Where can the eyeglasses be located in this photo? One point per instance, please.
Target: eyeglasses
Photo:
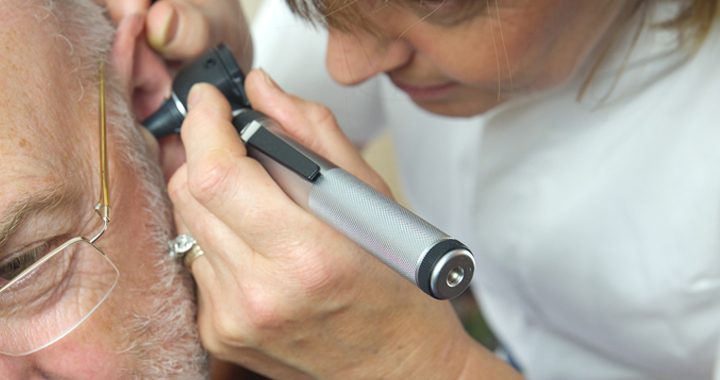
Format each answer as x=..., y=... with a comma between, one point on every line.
x=50, y=290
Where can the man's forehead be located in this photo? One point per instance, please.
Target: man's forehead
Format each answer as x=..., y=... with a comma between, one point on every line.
x=37, y=83
x=26, y=33
x=40, y=98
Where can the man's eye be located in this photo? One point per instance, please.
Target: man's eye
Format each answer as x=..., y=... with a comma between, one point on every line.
x=40, y=287
x=11, y=268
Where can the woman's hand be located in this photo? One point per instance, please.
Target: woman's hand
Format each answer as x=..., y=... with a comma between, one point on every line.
x=183, y=29
x=177, y=30
x=280, y=291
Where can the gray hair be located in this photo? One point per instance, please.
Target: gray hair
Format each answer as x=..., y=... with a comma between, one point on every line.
x=164, y=344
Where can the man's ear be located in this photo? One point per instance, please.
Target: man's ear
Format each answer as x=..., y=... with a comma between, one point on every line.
x=142, y=72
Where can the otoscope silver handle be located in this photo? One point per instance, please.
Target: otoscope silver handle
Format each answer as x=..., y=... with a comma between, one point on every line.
x=439, y=265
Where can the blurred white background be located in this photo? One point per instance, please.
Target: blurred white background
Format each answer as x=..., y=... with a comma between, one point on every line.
x=250, y=7
x=379, y=153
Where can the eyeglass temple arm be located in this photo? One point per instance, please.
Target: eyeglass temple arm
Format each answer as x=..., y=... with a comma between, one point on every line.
x=103, y=205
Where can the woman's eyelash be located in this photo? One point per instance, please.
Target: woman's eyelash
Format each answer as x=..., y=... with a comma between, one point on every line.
x=433, y=4
x=449, y=11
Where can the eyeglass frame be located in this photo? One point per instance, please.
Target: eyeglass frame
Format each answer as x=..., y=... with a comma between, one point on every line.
x=102, y=209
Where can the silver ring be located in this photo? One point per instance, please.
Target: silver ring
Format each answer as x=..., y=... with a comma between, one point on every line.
x=185, y=247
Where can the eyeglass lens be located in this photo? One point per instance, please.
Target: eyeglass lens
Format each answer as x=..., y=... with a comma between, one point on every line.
x=53, y=298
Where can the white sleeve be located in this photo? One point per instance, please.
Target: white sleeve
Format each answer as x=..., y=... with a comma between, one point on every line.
x=293, y=53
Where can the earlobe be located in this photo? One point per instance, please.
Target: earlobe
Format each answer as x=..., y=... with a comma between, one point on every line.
x=142, y=72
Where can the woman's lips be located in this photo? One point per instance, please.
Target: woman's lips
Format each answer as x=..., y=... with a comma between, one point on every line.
x=425, y=92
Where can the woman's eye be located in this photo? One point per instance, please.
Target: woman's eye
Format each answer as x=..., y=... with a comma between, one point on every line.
x=449, y=11
x=435, y=5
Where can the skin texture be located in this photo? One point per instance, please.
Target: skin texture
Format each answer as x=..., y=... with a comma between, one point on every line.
x=329, y=294
x=286, y=295
x=315, y=324
x=49, y=139
x=183, y=29
x=180, y=30
x=511, y=48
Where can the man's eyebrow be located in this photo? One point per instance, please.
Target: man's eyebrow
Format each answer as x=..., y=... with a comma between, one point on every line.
x=30, y=204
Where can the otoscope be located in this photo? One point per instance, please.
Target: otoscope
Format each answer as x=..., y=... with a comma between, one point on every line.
x=436, y=263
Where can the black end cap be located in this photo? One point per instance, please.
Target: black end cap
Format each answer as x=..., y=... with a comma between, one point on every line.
x=431, y=259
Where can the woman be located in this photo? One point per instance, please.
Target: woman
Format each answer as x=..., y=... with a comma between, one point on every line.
x=582, y=174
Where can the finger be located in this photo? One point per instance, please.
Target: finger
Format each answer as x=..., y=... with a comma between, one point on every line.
x=311, y=124
x=224, y=180
x=224, y=250
x=181, y=228
x=305, y=121
x=181, y=30
x=177, y=29
x=208, y=123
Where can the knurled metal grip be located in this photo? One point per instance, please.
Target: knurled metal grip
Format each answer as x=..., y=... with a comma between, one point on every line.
x=440, y=266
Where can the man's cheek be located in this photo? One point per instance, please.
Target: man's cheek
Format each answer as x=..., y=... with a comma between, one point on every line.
x=87, y=353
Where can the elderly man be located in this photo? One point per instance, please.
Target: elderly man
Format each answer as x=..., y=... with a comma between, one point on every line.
x=107, y=305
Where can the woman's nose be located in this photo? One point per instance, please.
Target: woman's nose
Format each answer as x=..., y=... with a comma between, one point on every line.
x=353, y=58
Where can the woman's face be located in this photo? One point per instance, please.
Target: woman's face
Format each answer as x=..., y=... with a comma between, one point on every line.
x=466, y=67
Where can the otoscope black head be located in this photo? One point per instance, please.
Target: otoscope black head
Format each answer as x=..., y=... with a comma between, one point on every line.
x=217, y=67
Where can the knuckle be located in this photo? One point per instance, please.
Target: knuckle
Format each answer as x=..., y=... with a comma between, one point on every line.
x=317, y=278
x=262, y=313
x=227, y=328
x=176, y=187
x=211, y=177
x=323, y=122
x=208, y=337
x=207, y=113
x=321, y=115
x=210, y=341
x=319, y=271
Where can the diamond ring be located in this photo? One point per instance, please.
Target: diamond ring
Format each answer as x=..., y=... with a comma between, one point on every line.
x=185, y=247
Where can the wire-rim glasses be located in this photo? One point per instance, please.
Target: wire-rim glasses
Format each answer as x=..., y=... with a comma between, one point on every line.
x=61, y=289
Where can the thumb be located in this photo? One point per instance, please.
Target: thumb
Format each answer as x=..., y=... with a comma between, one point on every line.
x=177, y=29
x=184, y=29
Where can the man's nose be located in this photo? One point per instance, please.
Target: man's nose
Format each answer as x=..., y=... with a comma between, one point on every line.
x=353, y=58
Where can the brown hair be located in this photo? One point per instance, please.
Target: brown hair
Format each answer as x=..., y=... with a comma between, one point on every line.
x=697, y=16
x=695, y=19
x=693, y=22
x=349, y=15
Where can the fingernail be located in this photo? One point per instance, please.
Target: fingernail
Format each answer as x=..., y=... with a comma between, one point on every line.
x=269, y=81
x=167, y=27
x=129, y=7
x=196, y=93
